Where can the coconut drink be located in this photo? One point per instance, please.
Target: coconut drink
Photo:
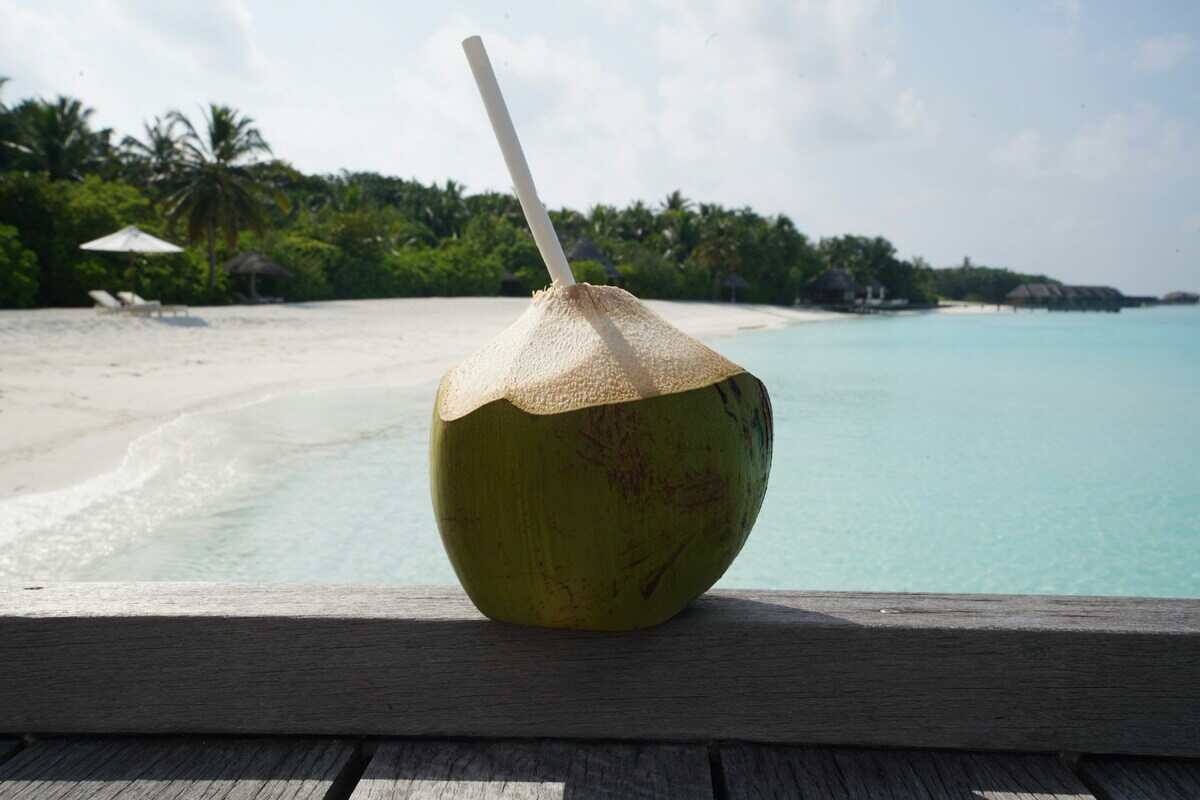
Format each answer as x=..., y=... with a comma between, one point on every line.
x=591, y=467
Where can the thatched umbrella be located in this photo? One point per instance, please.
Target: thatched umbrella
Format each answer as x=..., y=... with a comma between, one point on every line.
x=132, y=240
x=733, y=282
x=254, y=264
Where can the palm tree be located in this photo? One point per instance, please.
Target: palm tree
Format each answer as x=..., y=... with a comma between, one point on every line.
x=215, y=190
x=8, y=131
x=56, y=138
x=603, y=220
x=636, y=221
x=675, y=201
x=445, y=210
x=159, y=152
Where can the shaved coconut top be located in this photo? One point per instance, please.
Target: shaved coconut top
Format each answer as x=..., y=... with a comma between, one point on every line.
x=581, y=346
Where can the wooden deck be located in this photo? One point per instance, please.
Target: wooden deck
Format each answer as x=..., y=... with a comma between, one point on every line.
x=191, y=690
x=187, y=768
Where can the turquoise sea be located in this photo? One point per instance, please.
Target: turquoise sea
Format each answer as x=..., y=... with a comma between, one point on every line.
x=1030, y=452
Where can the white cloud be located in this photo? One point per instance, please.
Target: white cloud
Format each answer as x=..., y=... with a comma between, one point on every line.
x=1131, y=144
x=1163, y=53
x=1124, y=145
x=815, y=76
x=117, y=55
x=1071, y=9
x=736, y=96
x=1024, y=153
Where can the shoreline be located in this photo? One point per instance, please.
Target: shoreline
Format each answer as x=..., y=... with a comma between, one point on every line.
x=78, y=388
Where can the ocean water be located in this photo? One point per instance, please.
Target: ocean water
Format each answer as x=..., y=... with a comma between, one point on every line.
x=1031, y=452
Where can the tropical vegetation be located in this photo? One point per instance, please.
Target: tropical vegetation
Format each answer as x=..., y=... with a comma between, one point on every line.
x=213, y=183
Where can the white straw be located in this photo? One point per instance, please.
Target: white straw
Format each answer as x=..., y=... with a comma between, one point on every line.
x=535, y=213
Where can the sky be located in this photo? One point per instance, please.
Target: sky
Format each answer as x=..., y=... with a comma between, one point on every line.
x=1057, y=136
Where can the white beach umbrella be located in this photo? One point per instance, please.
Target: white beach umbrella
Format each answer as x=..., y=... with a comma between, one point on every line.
x=131, y=239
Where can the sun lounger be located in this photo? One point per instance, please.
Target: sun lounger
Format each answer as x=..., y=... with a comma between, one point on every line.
x=107, y=304
x=133, y=300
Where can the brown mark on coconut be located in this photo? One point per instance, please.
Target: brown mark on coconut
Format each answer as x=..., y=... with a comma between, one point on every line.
x=652, y=580
x=610, y=441
x=725, y=401
x=704, y=490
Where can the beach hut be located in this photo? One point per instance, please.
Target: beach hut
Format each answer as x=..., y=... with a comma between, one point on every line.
x=833, y=287
x=255, y=264
x=733, y=282
x=584, y=249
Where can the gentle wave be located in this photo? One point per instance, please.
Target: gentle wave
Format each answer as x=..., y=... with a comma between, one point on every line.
x=168, y=472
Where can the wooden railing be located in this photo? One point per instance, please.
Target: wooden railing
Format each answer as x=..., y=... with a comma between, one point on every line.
x=1022, y=673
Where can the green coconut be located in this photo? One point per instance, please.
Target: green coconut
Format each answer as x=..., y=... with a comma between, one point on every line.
x=593, y=467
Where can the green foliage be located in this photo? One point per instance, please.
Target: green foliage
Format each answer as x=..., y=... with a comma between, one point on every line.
x=874, y=258
x=309, y=261
x=647, y=275
x=54, y=217
x=980, y=284
x=360, y=234
x=214, y=191
x=592, y=272
x=454, y=269
x=18, y=271
x=56, y=139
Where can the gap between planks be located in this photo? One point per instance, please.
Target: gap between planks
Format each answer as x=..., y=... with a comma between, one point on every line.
x=1115, y=778
x=757, y=772
x=324, y=769
x=178, y=767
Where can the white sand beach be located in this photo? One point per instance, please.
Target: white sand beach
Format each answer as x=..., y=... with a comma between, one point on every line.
x=77, y=387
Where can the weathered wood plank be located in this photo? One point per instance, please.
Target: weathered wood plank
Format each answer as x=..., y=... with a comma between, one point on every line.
x=446, y=770
x=1105, y=675
x=8, y=747
x=1142, y=778
x=757, y=772
x=175, y=768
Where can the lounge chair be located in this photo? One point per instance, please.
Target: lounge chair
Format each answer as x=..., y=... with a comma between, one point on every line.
x=107, y=304
x=132, y=301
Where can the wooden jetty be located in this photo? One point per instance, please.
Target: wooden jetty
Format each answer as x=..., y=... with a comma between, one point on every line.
x=222, y=691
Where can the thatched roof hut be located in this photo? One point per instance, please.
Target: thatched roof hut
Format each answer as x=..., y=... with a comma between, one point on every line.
x=584, y=249
x=833, y=287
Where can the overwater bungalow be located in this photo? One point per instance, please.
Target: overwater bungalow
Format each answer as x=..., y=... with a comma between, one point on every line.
x=1141, y=301
x=1056, y=297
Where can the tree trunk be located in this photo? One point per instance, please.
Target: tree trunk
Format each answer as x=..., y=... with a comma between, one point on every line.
x=212, y=262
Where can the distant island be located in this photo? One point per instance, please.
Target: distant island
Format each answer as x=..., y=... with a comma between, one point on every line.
x=214, y=185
